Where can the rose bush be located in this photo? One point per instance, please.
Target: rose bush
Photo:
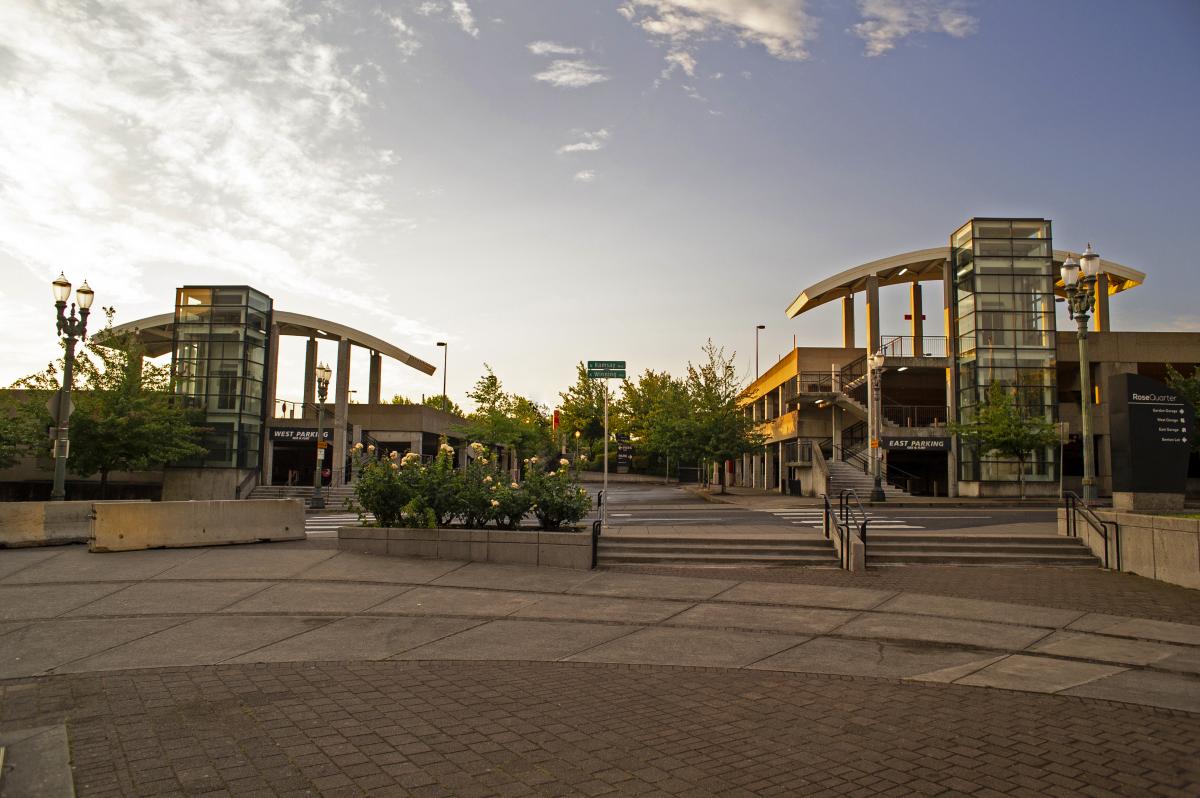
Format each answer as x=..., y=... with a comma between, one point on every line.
x=555, y=494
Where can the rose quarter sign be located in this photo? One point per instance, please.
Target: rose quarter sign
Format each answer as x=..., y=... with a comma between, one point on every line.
x=1151, y=427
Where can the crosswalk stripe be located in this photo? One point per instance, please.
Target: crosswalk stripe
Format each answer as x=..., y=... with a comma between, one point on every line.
x=815, y=518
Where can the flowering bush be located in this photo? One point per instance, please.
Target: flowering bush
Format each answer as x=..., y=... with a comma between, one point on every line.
x=556, y=497
x=404, y=492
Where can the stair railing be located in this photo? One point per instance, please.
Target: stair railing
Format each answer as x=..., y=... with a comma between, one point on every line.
x=830, y=521
x=852, y=374
x=853, y=514
x=1077, y=508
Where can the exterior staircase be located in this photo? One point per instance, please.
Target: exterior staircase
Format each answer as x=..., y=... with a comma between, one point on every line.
x=744, y=551
x=844, y=475
x=335, y=495
x=885, y=548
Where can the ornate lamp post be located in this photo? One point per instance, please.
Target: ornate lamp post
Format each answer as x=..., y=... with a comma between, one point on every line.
x=756, y=330
x=323, y=374
x=1081, y=295
x=71, y=328
x=875, y=425
x=445, y=359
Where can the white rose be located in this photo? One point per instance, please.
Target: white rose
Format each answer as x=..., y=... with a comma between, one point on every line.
x=514, y=486
x=487, y=478
x=495, y=503
x=564, y=462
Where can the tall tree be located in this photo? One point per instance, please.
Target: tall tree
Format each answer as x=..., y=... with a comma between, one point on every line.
x=1003, y=427
x=582, y=408
x=717, y=427
x=434, y=401
x=1189, y=388
x=124, y=418
x=505, y=419
x=656, y=411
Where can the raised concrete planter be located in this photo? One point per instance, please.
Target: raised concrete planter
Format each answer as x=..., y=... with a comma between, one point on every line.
x=550, y=549
x=157, y=525
x=1161, y=547
x=45, y=523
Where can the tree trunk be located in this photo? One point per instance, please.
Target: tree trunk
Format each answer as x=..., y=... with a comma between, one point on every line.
x=103, y=483
x=1021, y=476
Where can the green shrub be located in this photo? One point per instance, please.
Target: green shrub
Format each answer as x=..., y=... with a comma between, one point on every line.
x=511, y=503
x=556, y=496
x=477, y=485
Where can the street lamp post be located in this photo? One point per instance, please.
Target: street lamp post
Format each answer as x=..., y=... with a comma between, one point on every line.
x=71, y=328
x=1081, y=295
x=445, y=359
x=756, y=331
x=875, y=419
x=323, y=374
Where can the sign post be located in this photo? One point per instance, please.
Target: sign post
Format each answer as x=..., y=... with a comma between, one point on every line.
x=605, y=370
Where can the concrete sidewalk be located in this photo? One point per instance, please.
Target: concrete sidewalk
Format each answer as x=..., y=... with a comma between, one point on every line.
x=68, y=611
x=296, y=670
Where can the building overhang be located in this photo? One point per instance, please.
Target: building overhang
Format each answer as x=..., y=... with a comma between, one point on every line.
x=928, y=264
x=156, y=334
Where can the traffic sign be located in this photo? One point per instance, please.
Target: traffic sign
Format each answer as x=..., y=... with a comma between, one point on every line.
x=52, y=405
x=604, y=374
x=606, y=364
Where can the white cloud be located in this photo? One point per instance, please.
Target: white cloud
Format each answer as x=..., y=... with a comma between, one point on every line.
x=589, y=142
x=458, y=10
x=550, y=48
x=680, y=59
x=571, y=74
x=782, y=27
x=161, y=136
x=886, y=22
x=585, y=176
x=405, y=36
x=466, y=20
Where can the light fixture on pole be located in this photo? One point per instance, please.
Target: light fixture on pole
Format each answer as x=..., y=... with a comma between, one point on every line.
x=875, y=425
x=323, y=375
x=70, y=328
x=756, y=329
x=1079, y=280
x=445, y=359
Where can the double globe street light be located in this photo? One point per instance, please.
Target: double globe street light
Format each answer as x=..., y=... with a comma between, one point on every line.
x=1079, y=279
x=71, y=328
x=323, y=375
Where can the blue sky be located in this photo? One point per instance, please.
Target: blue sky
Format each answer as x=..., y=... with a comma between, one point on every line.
x=541, y=181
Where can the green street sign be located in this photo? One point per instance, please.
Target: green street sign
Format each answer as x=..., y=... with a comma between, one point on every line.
x=606, y=374
x=607, y=365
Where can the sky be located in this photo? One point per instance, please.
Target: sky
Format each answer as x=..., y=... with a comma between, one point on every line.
x=540, y=182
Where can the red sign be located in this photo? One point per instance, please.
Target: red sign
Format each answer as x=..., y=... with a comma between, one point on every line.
x=555, y=422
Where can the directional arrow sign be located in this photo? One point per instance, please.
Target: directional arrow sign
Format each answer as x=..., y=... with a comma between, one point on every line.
x=618, y=374
x=606, y=364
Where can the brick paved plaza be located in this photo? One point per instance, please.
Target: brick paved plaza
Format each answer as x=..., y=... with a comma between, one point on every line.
x=295, y=669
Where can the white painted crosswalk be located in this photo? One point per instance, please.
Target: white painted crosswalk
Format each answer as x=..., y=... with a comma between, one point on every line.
x=326, y=524
x=813, y=517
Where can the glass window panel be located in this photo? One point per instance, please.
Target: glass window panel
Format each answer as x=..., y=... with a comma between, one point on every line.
x=966, y=324
x=993, y=229
x=1042, y=266
x=194, y=296
x=1030, y=230
x=995, y=283
x=1030, y=283
x=227, y=332
x=993, y=266
x=961, y=237
x=229, y=296
x=985, y=247
x=966, y=343
x=1025, y=248
x=228, y=315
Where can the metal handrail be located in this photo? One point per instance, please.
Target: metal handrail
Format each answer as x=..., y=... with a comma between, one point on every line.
x=848, y=514
x=890, y=473
x=853, y=373
x=905, y=346
x=830, y=519
x=1075, y=506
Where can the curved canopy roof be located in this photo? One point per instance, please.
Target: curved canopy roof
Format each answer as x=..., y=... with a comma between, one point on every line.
x=926, y=264
x=155, y=333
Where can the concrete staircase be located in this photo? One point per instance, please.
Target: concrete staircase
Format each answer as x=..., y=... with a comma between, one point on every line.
x=843, y=475
x=743, y=551
x=941, y=549
x=335, y=495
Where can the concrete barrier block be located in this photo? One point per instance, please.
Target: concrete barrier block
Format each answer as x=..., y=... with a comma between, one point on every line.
x=1177, y=557
x=412, y=548
x=552, y=555
x=511, y=536
x=400, y=533
x=565, y=538
x=454, y=550
x=365, y=532
x=129, y=526
x=858, y=554
x=513, y=552
x=47, y=523
x=1137, y=550
x=1177, y=524
x=363, y=545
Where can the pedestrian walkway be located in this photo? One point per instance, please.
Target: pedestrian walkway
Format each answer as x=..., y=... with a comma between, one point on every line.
x=291, y=668
x=326, y=524
x=814, y=518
